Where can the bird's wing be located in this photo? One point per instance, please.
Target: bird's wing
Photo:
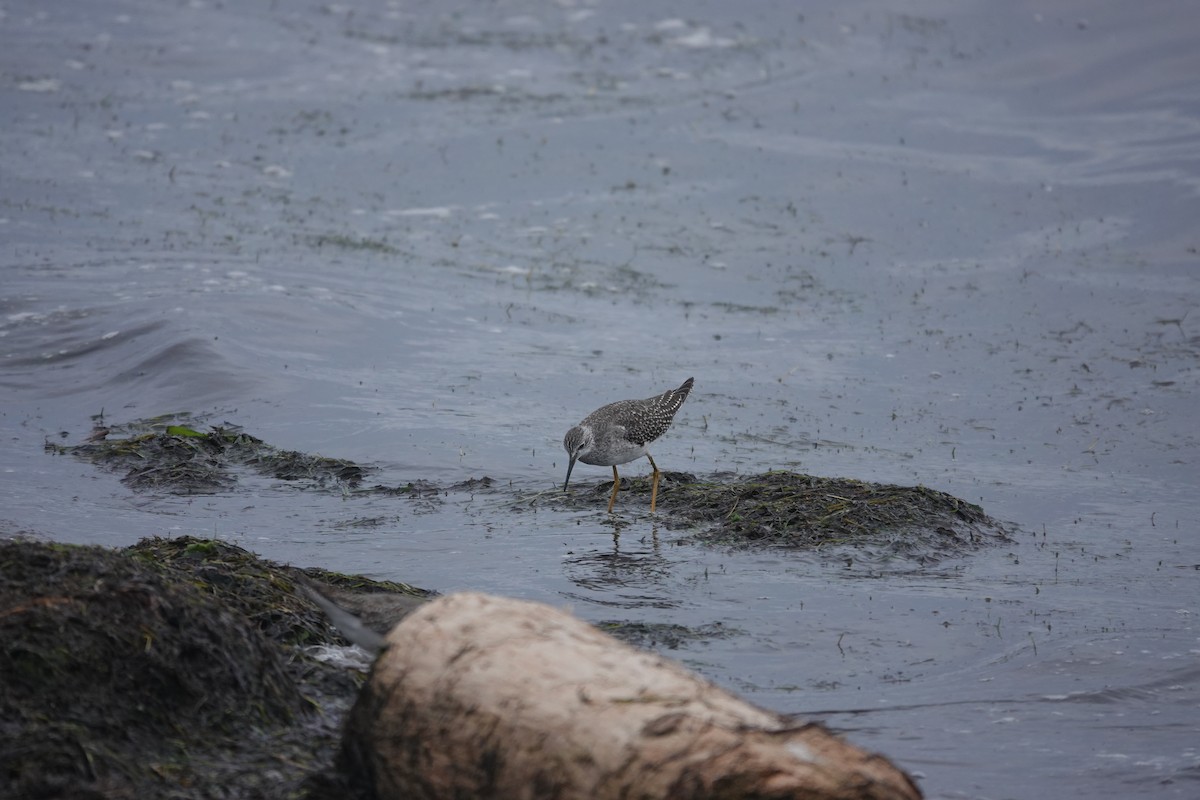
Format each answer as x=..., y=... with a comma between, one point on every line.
x=621, y=431
x=639, y=427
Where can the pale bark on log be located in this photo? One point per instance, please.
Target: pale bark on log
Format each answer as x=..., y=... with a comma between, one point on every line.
x=485, y=697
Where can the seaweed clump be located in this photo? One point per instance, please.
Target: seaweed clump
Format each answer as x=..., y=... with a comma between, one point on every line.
x=808, y=512
x=260, y=590
x=161, y=454
x=168, y=669
x=793, y=510
x=112, y=671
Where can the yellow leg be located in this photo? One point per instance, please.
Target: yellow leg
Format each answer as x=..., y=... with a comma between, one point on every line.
x=653, y=484
x=616, y=486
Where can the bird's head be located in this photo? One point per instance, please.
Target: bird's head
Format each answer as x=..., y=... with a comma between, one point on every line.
x=578, y=443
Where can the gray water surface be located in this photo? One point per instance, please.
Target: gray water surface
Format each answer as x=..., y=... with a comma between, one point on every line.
x=941, y=243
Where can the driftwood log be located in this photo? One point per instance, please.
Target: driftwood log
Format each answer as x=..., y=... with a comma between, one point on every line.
x=480, y=696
